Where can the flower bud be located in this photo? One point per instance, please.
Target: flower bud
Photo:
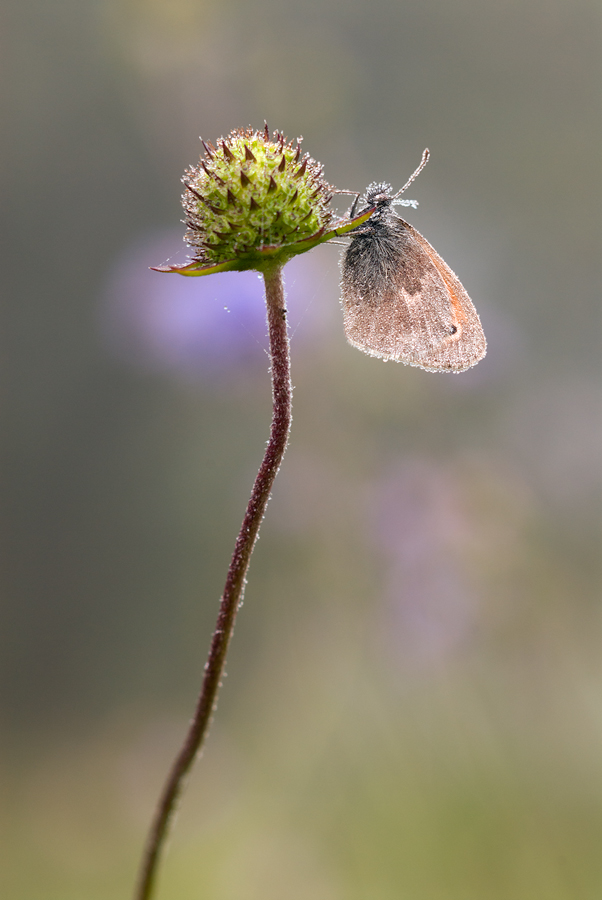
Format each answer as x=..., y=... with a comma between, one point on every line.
x=253, y=198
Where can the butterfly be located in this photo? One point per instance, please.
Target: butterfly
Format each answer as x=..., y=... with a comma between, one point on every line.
x=401, y=301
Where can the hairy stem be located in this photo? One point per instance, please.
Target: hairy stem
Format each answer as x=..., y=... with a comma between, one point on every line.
x=235, y=581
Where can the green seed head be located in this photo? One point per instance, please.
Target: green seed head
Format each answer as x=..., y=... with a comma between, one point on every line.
x=254, y=200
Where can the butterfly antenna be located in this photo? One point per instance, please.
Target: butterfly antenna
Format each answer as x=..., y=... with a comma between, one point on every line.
x=423, y=162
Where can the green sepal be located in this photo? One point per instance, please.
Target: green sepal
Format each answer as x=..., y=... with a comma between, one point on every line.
x=194, y=267
x=263, y=257
x=340, y=230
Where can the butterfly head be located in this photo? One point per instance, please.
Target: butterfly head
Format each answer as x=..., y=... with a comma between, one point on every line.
x=378, y=194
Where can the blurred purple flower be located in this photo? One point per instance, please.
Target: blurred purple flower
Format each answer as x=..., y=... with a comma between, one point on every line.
x=202, y=327
x=423, y=532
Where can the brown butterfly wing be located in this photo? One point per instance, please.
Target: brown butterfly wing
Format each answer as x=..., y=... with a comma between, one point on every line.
x=402, y=302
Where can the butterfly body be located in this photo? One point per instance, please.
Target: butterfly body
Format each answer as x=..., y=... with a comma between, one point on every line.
x=401, y=301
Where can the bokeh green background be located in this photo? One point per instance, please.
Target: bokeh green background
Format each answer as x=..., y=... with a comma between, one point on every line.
x=413, y=707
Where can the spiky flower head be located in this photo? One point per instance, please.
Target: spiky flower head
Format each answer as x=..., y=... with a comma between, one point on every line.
x=252, y=198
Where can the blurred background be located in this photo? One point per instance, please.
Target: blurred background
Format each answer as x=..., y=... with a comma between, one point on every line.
x=413, y=707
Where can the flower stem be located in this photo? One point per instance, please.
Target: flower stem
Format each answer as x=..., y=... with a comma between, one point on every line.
x=235, y=580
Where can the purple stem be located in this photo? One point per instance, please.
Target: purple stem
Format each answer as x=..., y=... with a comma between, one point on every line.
x=235, y=580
